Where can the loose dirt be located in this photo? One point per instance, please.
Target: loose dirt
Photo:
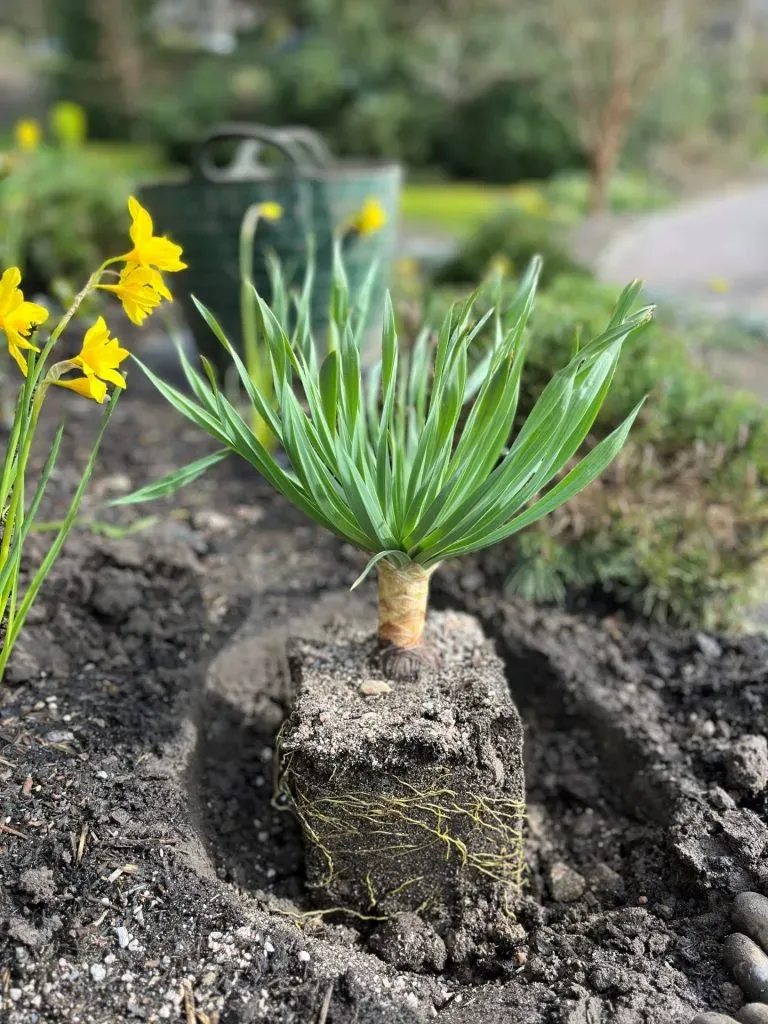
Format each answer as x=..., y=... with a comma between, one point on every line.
x=146, y=873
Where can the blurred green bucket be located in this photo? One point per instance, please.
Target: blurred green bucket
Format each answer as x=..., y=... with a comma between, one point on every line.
x=318, y=194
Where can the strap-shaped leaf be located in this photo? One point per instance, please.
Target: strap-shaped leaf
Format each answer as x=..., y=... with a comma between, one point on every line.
x=383, y=463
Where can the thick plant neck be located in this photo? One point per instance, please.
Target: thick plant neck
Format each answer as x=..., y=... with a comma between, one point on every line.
x=403, y=596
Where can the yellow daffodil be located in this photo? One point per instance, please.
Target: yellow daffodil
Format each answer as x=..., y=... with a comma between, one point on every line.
x=27, y=134
x=371, y=218
x=140, y=289
x=271, y=211
x=408, y=267
x=18, y=318
x=99, y=359
x=150, y=250
x=719, y=285
x=69, y=123
x=501, y=265
x=529, y=199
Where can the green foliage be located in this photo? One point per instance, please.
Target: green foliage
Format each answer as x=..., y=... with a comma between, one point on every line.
x=686, y=406
x=69, y=213
x=507, y=133
x=559, y=203
x=511, y=237
x=210, y=90
x=390, y=464
x=677, y=529
x=567, y=195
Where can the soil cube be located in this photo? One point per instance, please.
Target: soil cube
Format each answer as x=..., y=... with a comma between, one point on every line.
x=410, y=799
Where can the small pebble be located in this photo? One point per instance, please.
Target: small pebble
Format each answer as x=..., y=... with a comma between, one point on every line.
x=746, y=763
x=602, y=878
x=268, y=947
x=123, y=937
x=60, y=736
x=303, y=956
x=98, y=972
x=374, y=688
x=708, y=646
x=15, y=994
x=713, y=1018
x=750, y=916
x=753, y=1013
x=565, y=884
x=749, y=966
x=721, y=800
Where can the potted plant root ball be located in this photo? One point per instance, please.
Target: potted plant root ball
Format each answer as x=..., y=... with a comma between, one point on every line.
x=413, y=802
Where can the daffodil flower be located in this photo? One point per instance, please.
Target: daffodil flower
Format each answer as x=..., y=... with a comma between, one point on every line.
x=140, y=289
x=18, y=318
x=150, y=250
x=27, y=134
x=270, y=211
x=371, y=218
x=99, y=359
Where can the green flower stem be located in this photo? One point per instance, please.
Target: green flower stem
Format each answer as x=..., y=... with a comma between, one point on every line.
x=56, y=333
x=16, y=509
x=255, y=363
x=14, y=627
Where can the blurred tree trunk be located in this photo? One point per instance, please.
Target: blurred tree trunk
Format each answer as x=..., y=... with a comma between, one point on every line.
x=119, y=52
x=607, y=145
x=613, y=53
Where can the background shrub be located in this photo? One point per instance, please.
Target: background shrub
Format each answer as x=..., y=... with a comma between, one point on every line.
x=677, y=528
x=512, y=236
x=507, y=133
x=72, y=215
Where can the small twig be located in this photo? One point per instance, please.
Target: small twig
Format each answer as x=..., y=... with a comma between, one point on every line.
x=323, y=1015
x=99, y=920
x=189, y=1003
x=81, y=844
x=12, y=831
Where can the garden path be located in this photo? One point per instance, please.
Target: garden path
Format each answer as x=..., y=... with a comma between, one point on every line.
x=711, y=255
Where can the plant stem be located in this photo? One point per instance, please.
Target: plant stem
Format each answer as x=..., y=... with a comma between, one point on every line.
x=254, y=361
x=16, y=510
x=403, y=596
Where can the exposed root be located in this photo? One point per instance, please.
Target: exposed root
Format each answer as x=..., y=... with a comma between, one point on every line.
x=405, y=664
x=378, y=832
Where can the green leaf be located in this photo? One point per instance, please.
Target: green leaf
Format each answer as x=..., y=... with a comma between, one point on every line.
x=52, y=554
x=399, y=560
x=329, y=388
x=173, y=481
x=416, y=463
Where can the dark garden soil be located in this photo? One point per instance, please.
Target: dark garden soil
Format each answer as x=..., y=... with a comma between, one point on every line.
x=146, y=873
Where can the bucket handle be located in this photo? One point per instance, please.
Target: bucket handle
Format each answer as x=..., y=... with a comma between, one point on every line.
x=301, y=146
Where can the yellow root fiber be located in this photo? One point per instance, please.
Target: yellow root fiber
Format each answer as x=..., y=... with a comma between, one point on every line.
x=375, y=835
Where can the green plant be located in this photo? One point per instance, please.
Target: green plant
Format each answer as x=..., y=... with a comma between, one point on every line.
x=513, y=235
x=508, y=133
x=383, y=463
x=96, y=366
x=63, y=213
x=676, y=529
x=628, y=192
x=255, y=357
